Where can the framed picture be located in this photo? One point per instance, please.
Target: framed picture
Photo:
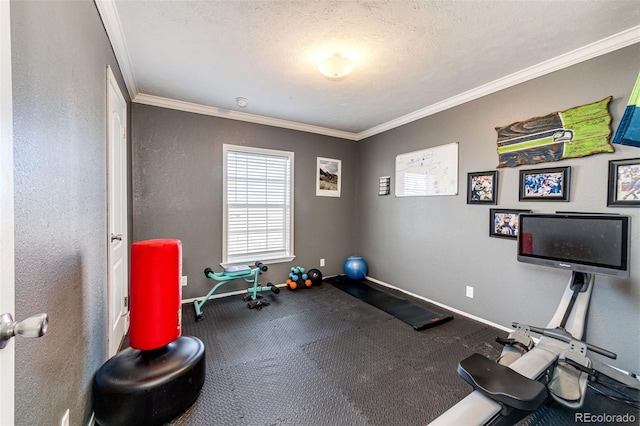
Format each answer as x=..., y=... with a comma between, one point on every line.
x=328, y=177
x=504, y=223
x=482, y=187
x=624, y=183
x=545, y=184
x=385, y=185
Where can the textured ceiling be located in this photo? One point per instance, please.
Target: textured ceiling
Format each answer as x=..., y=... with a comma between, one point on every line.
x=411, y=55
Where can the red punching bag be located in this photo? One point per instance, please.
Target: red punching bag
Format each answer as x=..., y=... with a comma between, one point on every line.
x=156, y=312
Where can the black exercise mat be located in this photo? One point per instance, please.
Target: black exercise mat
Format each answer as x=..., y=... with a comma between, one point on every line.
x=319, y=356
x=418, y=317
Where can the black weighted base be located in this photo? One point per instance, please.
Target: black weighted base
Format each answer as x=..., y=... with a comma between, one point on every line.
x=149, y=387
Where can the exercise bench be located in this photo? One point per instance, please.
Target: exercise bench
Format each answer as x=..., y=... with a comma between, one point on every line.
x=232, y=273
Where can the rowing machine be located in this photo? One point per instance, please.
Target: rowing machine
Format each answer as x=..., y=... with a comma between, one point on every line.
x=556, y=367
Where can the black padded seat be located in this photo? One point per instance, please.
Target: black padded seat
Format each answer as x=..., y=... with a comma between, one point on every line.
x=501, y=383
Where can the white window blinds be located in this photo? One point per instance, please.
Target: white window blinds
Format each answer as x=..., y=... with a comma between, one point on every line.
x=258, y=200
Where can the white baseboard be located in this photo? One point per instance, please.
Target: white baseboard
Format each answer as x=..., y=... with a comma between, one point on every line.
x=473, y=317
x=449, y=308
x=382, y=283
x=221, y=295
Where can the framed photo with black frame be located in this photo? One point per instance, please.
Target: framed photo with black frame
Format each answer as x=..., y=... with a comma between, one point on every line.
x=624, y=183
x=482, y=187
x=504, y=223
x=551, y=184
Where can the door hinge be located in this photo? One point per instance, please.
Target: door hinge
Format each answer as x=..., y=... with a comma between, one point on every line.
x=124, y=133
x=126, y=301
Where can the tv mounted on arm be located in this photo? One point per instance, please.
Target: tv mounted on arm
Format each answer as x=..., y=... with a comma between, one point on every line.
x=581, y=242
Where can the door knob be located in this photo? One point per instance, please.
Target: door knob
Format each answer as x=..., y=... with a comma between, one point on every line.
x=116, y=237
x=34, y=326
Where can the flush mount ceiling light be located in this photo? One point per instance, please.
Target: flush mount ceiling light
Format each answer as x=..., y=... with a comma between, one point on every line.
x=336, y=67
x=242, y=102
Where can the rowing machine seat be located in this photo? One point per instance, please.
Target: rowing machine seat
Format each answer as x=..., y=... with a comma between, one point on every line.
x=501, y=383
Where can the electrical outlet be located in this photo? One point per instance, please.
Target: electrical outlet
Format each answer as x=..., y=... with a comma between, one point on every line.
x=470, y=291
x=65, y=419
x=183, y=280
x=321, y=262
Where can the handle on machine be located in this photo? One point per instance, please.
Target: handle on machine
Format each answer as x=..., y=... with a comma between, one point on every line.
x=564, y=336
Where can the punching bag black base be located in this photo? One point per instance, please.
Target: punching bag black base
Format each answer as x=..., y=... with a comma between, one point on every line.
x=149, y=387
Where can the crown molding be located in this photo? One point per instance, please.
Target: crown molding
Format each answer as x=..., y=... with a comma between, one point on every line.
x=109, y=14
x=111, y=21
x=590, y=51
x=240, y=116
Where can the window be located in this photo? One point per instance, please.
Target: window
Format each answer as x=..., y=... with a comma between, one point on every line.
x=258, y=205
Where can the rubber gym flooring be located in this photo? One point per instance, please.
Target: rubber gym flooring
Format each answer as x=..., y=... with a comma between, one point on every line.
x=319, y=356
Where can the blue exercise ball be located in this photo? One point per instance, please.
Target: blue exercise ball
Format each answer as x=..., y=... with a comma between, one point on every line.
x=355, y=267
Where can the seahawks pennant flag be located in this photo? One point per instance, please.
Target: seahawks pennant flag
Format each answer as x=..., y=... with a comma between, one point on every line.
x=628, y=132
x=576, y=132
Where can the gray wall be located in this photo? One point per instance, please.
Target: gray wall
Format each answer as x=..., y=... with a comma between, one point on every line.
x=60, y=52
x=177, y=191
x=436, y=246
x=430, y=246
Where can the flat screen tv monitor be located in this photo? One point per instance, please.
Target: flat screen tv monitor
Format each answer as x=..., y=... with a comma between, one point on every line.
x=590, y=243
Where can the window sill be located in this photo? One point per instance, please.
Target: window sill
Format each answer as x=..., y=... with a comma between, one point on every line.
x=266, y=261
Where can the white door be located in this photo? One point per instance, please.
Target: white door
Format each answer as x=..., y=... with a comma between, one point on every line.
x=118, y=247
x=7, y=291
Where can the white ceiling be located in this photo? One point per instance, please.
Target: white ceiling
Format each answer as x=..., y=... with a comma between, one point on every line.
x=414, y=58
